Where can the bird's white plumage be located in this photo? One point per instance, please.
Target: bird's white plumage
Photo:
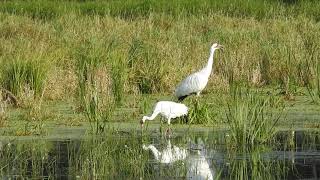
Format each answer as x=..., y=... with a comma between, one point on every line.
x=198, y=167
x=168, y=155
x=167, y=109
x=196, y=82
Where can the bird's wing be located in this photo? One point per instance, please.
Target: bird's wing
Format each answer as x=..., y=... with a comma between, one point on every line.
x=189, y=85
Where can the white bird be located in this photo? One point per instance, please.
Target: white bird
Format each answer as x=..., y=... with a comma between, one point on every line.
x=168, y=110
x=168, y=155
x=196, y=82
x=198, y=168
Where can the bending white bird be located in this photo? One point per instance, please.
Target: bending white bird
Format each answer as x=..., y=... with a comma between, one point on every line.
x=167, y=109
x=198, y=168
x=196, y=82
x=168, y=155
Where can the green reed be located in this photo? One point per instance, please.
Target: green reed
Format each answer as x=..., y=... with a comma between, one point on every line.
x=251, y=118
x=147, y=69
x=313, y=86
x=94, y=94
x=19, y=74
x=253, y=164
x=160, y=50
x=157, y=45
x=118, y=75
x=30, y=159
x=132, y=9
x=113, y=156
x=200, y=113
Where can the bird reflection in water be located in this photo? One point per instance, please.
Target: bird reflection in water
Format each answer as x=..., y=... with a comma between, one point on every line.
x=197, y=165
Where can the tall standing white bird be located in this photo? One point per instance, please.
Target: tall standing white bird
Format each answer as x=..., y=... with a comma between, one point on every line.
x=167, y=109
x=196, y=82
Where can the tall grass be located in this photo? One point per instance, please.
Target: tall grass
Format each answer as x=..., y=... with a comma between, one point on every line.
x=312, y=64
x=31, y=159
x=250, y=118
x=118, y=75
x=132, y=9
x=253, y=164
x=114, y=157
x=160, y=50
x=200, y=113
x=157, y=44
x=313, y=86
x=21, y=75
x=3, y=112
x=147, y=69
x=94, y=94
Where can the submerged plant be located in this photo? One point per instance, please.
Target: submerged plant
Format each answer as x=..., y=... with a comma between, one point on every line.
x=113, y=156
x=32, y=159
x=253, y=164
x=250, y=118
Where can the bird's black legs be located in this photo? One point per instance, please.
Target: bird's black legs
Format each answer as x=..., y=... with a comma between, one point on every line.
x=181, y=98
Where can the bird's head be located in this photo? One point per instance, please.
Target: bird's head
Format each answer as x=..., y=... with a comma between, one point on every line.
x=216, y=46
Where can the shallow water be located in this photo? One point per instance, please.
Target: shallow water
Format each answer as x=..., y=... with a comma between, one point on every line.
x=132, y=155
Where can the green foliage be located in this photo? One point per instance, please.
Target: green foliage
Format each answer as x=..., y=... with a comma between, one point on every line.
x=313, y=86
x=252, y=163
x=145, y=105
x=94, y=95
x=98, y=109
x=160, y=49
x=200, y=112
x=34, y=159
x=118, y=75
x=155, y=44
x=250, y=118
x=147, y=69
x=88, y=59
x=108, y=155
x=18, y=74
x=131, y=9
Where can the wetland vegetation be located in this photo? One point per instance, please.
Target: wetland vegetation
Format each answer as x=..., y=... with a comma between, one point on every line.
x=98, y=66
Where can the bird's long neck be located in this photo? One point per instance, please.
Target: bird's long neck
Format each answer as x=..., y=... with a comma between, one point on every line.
x=154, y=115
x=155, y=152
x=208, y=68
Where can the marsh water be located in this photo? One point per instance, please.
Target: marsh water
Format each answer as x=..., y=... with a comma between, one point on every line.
x=183, y=155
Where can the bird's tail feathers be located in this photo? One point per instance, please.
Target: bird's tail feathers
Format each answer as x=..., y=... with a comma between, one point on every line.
x=181, y=98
